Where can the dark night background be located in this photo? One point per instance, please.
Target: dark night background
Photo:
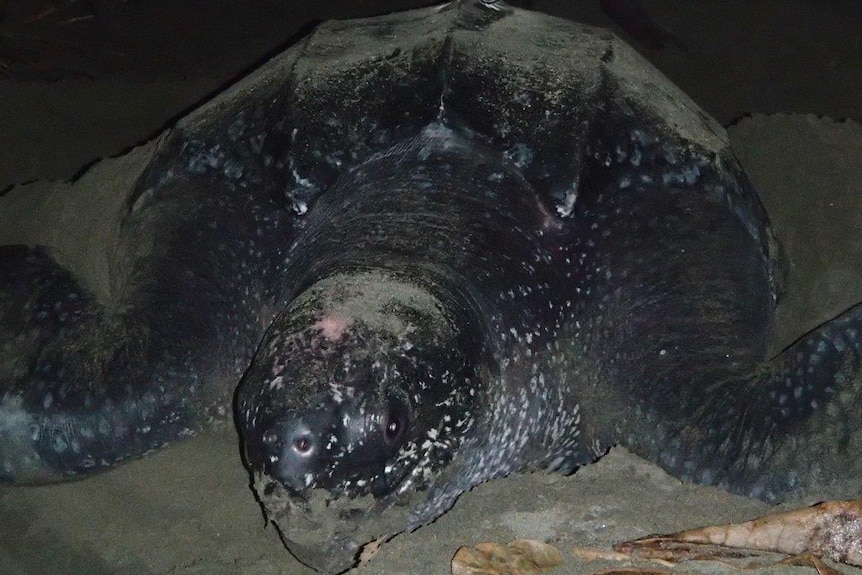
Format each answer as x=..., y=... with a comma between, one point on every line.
x=84, y=79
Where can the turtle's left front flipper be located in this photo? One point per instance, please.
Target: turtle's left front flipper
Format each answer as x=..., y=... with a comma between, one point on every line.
x=792, y=428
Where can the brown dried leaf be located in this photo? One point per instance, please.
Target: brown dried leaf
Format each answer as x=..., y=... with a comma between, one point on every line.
x=636, y=571
x=811, y=560
x=590, y=554
x=521, y=557
x=371, y=549
x=832, y=529
x=663, y=549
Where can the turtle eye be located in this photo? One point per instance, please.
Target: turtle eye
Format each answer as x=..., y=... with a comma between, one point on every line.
x=302, y=445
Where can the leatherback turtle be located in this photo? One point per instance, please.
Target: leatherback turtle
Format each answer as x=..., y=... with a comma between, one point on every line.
x=436, y=247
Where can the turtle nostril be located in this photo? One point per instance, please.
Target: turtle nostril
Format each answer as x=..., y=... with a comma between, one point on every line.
x=271, y=440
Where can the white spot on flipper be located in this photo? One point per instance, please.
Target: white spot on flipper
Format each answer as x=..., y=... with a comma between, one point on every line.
x=567, y=206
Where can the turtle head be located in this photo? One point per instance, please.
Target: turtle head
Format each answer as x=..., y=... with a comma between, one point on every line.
x=343, y=440
x=357, y=399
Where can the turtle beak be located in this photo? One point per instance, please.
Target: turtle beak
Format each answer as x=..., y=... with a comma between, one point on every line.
x=329, y=534
x=321, y=541
x=334, y=555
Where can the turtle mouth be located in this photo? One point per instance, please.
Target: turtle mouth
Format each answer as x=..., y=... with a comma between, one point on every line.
x=325, y=532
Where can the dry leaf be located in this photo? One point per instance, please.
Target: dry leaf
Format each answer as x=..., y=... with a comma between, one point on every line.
x=832, y=529
x=590, y=554
x=636, y=571
x=371, y=549
x=811, y=560
x=666, y=550
x=521, y=557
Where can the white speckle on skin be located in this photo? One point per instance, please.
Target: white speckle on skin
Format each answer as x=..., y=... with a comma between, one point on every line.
x=567, y=206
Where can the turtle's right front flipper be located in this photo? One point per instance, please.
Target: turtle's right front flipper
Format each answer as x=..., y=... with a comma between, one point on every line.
x=59, y=346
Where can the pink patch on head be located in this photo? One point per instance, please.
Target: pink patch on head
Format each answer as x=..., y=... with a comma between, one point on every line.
x=332, y=327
